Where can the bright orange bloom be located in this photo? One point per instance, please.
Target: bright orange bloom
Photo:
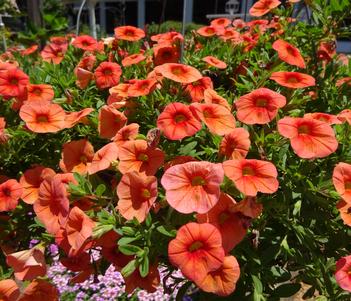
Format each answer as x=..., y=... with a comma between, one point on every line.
x=85, y=42
x=3, y=135
x=110, y=121
x=133, y=59
x=328, y=118
x=107, y=75
x=342, y=180
x=293, y=79
x=326, y=51
x=165, y=53
x=83, y=77
x=222, y=281
x=214, y=62
x=10, y=193
x=196, y=250
x=289, y=54
x=121, y=90
x=251, y=176
x=177, y=121
x=43, y=116
x=211, y=96
x=9, y=290
x=207, y=31
x=103, y=157
x=239, y=23
x=259, y=106
x=129, y=33
x=13, y=82
x=148, y=283
x=170, y=37
x=52, y=205
x=54, y=53
x=40, y=92
x=76, y=155
x=342, y=274
x=345, y=116
x=230, y=34
x=126, y=133
x=309, y=138
x=236, y=144
x=27, y=264
x=141, y=87
x=345, y=212
x=135, y=155
x=180, y=73
x=40, y=290
x=263, y=7
x=193, y=186
x=31, y=180
x=87, y=62
x=77, y=263
x=73, y=118
x=344, y=80
x=217, y=118
x=196, y=89
x=220, y=22
x=29, y=50
x=136, y=193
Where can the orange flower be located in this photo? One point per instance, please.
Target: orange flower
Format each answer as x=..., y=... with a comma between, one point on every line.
x=10, y=192
x=136, y=193
x=342, y=180
x=83, y=77
x=236, y=144
x=288, y=53
x=13, y=82
x=345, y=116
x=309, y=138
x=214, y=62
x=31, y=180
x=29, y=50
x=180, y=73
x=129, y=33
x=52, y=205
x=220, y=22
x=177, y=121
x=135, y=155
x=72, y=118
x=259, y=106
x=345, y=212
x=211, y=96
x=9, y=290
x=251, y=176
x=121, y=90
x=27, y=264
x=76, y=155
x=40, y=290
x=85, y=42
x=293, y=79
x=222, y=281
x=165, y=53
x=54, y=53
x=196, y=89
x=207, y=31
x=110, y=121
x=40, y=92
x=43, y=116
x=327, y=118
x=3, y=135
x=133, y=59
x=342, y=274
x=141, y=87
x=148, y=283
x=103, y=158
x=77, y=263
x=107, y=75
x=87, y=62
x=170, y=37
x=196, y=250
x=326, y=50
x=178, y=160
x=126, y=133
x=263, y=7
x=193, y=186
x=344, y=80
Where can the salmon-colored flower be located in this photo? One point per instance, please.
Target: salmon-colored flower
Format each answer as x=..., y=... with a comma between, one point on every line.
x=345, y=116
x=236, y=144
x=103, y=158
x=29, y=50
x=217, y=118
x=178, y=160
x=3, y=136
x=107, y=75
x=326, y=50
x=148, y=283
x=170, y=37
x=259, y=106
x=263, y=7
x=211, y=96
x=293, y=79
x=251, y=176
x=342, y=180
x=136, y=193
x=77, y=263
x=309, y=138
x=9, y=290
x=13, y=82
x=141, y=87
x=344, y=80
x=193, y=186
x=135, y=155
x=10, y=193
x=73, y=118
x=85, y=42
x=83, y=77
x=214, y=62
x=342, y=274
x=196, y=89
x=110, y=121
x=40, y=290
x=129, y=33
x=40, y=92
x=345, y=212
x=327, y=118
x=76, y=155
x=54, y=53
x=133, y=59
x=126, y=133
x=165, y=53
x=196, y=250
x=207, y=31
x=180, y=73
x=288, y=53
x=87, y=62
x=27, y=264
x=43, y=116
x=177, y=121
x=220, y=22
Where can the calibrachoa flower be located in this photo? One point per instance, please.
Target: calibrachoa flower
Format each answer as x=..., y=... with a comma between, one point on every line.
x=110, y=121
x=211, y=96
x=40, y=290
x=327, y=118
x=165, y=53
x=10, y=193
x=236, y=144
x=126, y=133
x=103, y=158
x=288, y=53
x=107, y=75
x=13, y=81
x=180, y=73
x=345, y=212
x=342, y=180
x=214, y=62
x=129, y=33
x=263, y=7
x=342, y=274
x=9, y=290
x=196, y=89
x=85, y=42
x=133, y=59
x=40, y=92
x=293, y=80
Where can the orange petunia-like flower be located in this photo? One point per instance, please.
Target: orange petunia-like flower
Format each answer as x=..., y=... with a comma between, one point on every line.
x=345, y=212
x=107, y=75
x=214, y=62
x=85, y=42
x=220, y=22
x=128, y=132
x=251, y=176
x=13, y=82
x=342, y=180
x=193, y=186
x=342, y=274
x=10, y=193
x=9, y=290
x=345, y=116
x=3, y=136
x=40, y=92
x=263, y=7
x=196, y=89
x=222, y=281
x=177, y=121
x=211, y=96
x=165, y=53
x=180, y=73
x=309, y=138
x=83, y=77
x=73, y=118
x=196, y=250
x=207, y=31
x=288, y=53
x=293, y=79
x=217, y=118
x=76, y=155
x=40, y=290
x=133, y=59
x=103, y=158
x=148, y=283
x=236, y=144
x=259, y=106
x=137, y=193
x=327, y=118
x=43, y=116
x=141, y=87
x=110, y=121
x=135, y=155
x=129, y=33
x=54, y=53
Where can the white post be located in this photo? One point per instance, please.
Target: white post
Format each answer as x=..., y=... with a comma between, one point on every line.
x=141, y=13
x=92, y=19
x=189, y=11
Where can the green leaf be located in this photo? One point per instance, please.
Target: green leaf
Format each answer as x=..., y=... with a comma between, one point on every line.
x=186, y=149
x=127, y=240
x=287, y=290
x=148, y=220
x=257, y=284
x=164, y=231
x=129, y=268
x=144, y=267
x=129, y=249
x=99, y=191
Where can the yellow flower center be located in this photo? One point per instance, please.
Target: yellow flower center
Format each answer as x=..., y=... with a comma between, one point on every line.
x=198, y=181
x=143, y=157
x=248, y=171
x=195, y=246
